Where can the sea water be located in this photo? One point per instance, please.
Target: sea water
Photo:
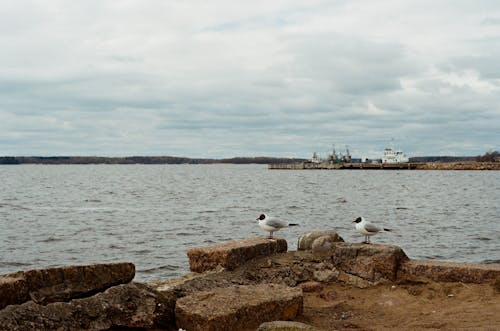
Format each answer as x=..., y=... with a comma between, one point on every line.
x=55, y=215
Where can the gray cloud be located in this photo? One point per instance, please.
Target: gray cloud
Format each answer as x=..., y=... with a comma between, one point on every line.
x=284, y=78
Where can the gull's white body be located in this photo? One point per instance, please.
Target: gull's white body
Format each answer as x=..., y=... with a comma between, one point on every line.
x=367, y=228
x=271, y=225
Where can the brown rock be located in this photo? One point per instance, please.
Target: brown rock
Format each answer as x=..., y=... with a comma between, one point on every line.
x=62, y=284
x=238, y=307
x=496, y=285
x=311, y=286
x=124, y=306
x=354, y=280
x=322, y=244
x=233, y=254
x=307, y=240
x=373, y=262
x=285, y=326
x=417, y=270
x=326, y=275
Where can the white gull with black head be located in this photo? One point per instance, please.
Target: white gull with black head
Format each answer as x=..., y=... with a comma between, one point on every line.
x=367, y=228
x=272, y=225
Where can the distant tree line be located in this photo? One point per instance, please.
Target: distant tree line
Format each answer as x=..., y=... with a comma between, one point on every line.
x=140, y=160
x=489, y=157
x=424, y=159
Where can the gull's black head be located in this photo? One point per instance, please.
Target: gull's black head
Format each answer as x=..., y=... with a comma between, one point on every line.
x=357, y=220
x=261, y=217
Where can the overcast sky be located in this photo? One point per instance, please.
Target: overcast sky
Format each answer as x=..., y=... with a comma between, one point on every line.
x=226, y=78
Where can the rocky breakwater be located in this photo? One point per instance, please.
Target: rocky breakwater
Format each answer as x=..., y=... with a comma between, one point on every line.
x=246, y=283
x=272, y=285
x=458, y=166
x=219, y=301
x=249, y=284
x=233, y=254
x=103, y=296
x=92, y=297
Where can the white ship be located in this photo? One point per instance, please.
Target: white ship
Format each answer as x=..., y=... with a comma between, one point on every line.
x=394, y=156
x=316, y=158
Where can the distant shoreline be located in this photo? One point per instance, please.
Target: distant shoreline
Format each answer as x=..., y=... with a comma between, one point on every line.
x=14, y=160
x=186, y=160
x=465, y=165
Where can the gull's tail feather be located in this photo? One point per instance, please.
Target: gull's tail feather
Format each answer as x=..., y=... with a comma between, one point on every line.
x=293, y=224
x=388, y=230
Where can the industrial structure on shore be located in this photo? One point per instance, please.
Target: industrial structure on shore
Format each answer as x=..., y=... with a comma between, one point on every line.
x=392, y=159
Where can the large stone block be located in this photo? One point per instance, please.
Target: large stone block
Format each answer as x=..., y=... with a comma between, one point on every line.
x=415, y=270
x=373, y=262
x=238, y=307
x=233, y=254
x=123, y=306
x=320, y=240
x=62, y=284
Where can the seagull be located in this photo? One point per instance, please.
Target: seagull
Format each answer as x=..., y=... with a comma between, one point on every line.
x=272, y=225
x=367, y=228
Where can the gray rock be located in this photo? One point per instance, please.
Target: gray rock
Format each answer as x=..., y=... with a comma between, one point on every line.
x=306, y=240
x=233, y=254
x=373, y=263
x=441, y=271
x=323, y=244
x=238, y=307
x=62, y=284
x=131, y=305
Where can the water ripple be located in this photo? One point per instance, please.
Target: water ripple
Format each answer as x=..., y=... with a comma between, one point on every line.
x=150, y=215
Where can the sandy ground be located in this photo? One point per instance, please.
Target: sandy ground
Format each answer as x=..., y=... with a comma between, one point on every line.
x=432, y=306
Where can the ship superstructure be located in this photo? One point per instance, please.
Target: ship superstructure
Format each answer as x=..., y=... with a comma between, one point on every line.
x=392, y=155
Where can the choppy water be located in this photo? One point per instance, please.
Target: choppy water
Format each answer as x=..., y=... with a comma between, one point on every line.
x=53, y=215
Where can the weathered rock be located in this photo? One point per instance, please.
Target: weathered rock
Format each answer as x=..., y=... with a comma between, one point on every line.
x=306, y=240
x=290, y=268
x=374, y=262
x=496, y=285
x=233, y=254
x=326, y=275
x=130, y=305
x=62, y=284
x=286, y=326
x=417, y=270
x=311, y=286
x=357, y=281
x=322, y=244
x=357, y=264
x=238, y=307
x=197, y=282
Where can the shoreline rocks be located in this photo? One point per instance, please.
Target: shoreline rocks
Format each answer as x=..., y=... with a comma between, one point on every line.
x=440, y=271
x=62, y=284
x=373, y=262
x=242, y=284
x=130, y=305
x=458, y=166
x=240, y=307
x=231, y=254
x=318, y=241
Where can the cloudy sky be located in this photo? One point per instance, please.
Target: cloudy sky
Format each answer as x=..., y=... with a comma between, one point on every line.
x=229, y=78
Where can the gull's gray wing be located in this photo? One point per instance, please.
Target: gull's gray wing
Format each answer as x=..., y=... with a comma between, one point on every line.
x=277, y=223
x=372, y=228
